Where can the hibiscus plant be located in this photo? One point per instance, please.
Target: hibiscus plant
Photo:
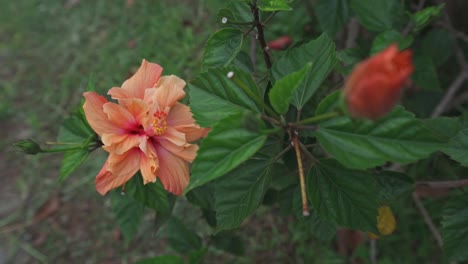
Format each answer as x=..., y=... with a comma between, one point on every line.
x=317, y=128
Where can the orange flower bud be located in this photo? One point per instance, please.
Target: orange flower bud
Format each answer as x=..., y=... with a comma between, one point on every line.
x=281, y=43
x=375, y=85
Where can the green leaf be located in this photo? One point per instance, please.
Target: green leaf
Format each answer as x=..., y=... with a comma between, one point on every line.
x=196, y=256
x=321, y=52
x=329, y=103
x=74, y=130
x=222, y=47
x=425, y=73
x=180, y=238
x=398, y=137
x=376, y=15
x=321, y=229
x=202, y=196
x=384, y=39
x=214, y=96
x=393, y=186
x=455, y=228
x=343, y=196
x=447, y=127
x=228, y=144
x=127, y=213
x=282, y=92
x=71, y=160
x=458, y=147
x=332, y=15
x=152, y=195
x=240, y=192
x=424, y=17
x=438, y=44
x=243, y=62
x=273, y=5
x=236, y=14
x=166, y=259
x=228, y=242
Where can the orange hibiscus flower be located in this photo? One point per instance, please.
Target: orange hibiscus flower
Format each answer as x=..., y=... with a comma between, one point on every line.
x=375, y=85
x=147, y=130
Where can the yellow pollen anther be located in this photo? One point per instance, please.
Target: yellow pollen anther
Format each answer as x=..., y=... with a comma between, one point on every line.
x=159, y=123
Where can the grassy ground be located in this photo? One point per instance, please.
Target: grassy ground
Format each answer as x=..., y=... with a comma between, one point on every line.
x=48, y=51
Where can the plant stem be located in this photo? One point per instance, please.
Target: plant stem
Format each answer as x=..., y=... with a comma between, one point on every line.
x=443, y=184
x=261, y=37
x=318, y=118
x=427, y=218
x=297, y=148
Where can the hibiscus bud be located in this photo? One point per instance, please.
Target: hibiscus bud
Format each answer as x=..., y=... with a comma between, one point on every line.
x=281, y=43
x=28, y=146
x=375, y=85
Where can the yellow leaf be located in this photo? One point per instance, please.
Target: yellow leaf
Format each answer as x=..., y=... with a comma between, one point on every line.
x=386, y=222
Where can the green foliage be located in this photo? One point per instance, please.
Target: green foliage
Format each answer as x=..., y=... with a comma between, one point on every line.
x=376, y=15
x=361, y=144
x=425, y=73
x=458, y=146
x=439, y=45
x=127, y=213
x=455, y=228
x=229, y=242
x=343, y=196
x=71, y=160
x=240, y=192
x=222, y=48
x=332, y=15
x=321, y=53
x=393, y=186
x=215, y=90
x=167, y=259
x=151, y=195
x=384, y=39
x=236, y=14
x=423, y=18
x=180, y=238
x=282, y=92
x=229, y=143
x=76, y=137
x=329, y=103
x=273, y=5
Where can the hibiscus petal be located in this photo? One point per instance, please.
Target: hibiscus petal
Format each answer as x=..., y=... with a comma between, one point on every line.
x=188, y=152
x=146, y=77
x=139, y=109
x=180, y=115
x=120, y=144
x=173, y=171
x=97, y=119
x=117, y=170
x=148, y=166
x=170, y=89
x=120, y=116
x=174, y=136
x=104, y=180
x=192, y=132
x=181, y=119
x=118, y=93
